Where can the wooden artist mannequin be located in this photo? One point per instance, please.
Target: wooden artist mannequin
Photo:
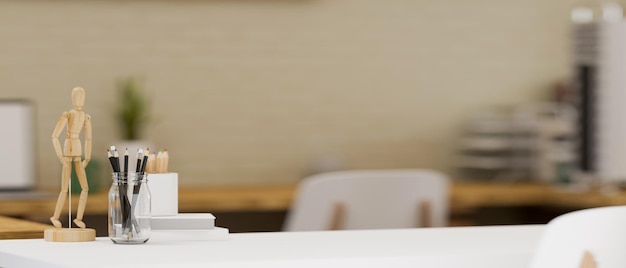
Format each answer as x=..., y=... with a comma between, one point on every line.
x=76, y=121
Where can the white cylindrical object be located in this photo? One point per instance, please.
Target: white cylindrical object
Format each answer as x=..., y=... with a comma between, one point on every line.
x=164, y=193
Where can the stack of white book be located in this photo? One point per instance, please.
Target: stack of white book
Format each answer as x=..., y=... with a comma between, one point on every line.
x=168, y=224
x=184, y=221
x=187, y=226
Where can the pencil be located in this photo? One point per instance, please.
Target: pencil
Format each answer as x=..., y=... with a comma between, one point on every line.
x=139, y=155
x=116, y=157
x=150, y=166
x=166, y=160
x=122, y=189
x=126, y=161
x=160, y=162
x=145, y=160
x=111, y=160
x=136, y=189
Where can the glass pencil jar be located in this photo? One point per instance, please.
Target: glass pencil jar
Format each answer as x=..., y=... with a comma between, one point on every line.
x=129, y=208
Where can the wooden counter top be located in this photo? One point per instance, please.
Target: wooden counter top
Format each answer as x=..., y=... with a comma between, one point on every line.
x=18, y=229
x=464, y=197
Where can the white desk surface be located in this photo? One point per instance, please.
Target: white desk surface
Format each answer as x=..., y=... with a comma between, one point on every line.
x=497, y=246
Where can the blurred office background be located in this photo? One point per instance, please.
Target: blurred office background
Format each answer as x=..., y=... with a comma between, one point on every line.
x=266, y=92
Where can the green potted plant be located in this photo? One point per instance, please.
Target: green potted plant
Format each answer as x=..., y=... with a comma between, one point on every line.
x=132, y=111
x=132, y=115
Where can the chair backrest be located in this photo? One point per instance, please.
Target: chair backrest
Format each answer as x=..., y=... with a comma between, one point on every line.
x=584, y=239
x=370, y=199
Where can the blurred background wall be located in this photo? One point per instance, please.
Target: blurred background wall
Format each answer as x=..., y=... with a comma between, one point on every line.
x=262, y=92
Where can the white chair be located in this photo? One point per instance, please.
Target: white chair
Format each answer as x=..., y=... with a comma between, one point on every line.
x=370, y=199
x=584, y=239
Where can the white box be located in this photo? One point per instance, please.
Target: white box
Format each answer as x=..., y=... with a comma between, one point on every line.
x=163, y=193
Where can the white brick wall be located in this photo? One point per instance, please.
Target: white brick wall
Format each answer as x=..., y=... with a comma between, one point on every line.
x=252, y=92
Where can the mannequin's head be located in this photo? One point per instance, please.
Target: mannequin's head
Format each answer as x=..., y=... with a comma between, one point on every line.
x=78, y=97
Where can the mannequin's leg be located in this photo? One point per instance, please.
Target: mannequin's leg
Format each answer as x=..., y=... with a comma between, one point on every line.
x=82, y=179
x=65, y=180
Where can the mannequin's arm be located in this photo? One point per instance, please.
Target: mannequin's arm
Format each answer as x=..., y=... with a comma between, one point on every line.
x=57, y=132
x=87, y=128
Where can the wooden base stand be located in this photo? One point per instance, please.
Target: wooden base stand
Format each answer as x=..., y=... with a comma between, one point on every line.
x=69, y=235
